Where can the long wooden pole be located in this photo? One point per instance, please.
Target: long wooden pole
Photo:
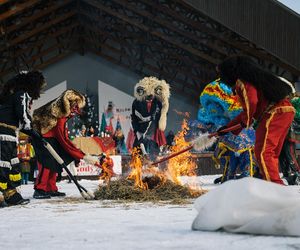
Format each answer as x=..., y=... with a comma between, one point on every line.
x=226, y=130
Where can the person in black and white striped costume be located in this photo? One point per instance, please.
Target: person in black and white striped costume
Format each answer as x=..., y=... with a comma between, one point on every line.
x=149, y=115
x=15, y=104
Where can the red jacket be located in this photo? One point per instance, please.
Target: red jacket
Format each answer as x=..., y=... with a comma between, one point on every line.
x=60, y=132
x=253, y=102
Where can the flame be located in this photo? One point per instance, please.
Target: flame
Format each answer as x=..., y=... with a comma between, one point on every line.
x=140, y=171
x=107, y=170
x=183, y=164
x=136, y=173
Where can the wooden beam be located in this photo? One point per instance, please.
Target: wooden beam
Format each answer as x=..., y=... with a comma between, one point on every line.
x=39, y=29
x=126, y=19
x=187, y=70
x=154, y=18
x=18, y=8
x=53, y=60
x=255, y=52
x=2, y=2
x=50, y=9
x=47, y=51
x=34, y=58
x=184, y=59
x=44, y=40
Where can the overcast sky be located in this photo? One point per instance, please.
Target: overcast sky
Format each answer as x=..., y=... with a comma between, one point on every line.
x=292, y=4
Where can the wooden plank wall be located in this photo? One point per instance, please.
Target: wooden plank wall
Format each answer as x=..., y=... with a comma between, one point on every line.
x=267, y=23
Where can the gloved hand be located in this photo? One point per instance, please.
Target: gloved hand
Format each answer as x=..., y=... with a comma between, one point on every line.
x=91, y=159
x=220, y=133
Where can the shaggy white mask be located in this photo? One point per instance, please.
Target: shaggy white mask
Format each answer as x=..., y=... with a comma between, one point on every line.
x=144, y=88
x=157, y=88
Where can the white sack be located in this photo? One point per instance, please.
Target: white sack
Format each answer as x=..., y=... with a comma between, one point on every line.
x=250, y=205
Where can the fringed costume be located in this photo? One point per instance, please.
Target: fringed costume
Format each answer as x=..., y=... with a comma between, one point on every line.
x=219, y=106
x=15, y=104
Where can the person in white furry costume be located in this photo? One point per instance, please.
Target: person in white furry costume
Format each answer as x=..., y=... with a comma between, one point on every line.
x=149, y=114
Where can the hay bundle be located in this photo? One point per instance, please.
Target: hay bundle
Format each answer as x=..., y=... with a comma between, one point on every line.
x=124, y=189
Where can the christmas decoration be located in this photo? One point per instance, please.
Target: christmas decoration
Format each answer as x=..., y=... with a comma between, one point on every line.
x=88, y=117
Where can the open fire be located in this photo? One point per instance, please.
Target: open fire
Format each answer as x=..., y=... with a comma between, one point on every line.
x=163, y=183
x=183, y=165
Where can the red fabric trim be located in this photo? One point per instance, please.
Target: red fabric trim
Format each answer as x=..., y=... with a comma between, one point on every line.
x=130, y=140
x=293, y=140
x=160, y=138
x=149, y=104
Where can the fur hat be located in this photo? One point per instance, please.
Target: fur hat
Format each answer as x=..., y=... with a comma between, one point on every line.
x=45, y=117
x=32, y=82
x=246, y=69
x=159, y=89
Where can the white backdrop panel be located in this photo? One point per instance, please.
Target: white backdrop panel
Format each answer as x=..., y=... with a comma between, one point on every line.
x=50, y=94
x=122, y=105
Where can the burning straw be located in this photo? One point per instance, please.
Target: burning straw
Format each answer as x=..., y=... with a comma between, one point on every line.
x=152, y=184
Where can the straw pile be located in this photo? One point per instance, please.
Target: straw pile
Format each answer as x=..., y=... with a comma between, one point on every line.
x=124, y=189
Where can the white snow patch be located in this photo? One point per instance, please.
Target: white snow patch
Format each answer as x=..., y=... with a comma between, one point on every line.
x=61, y=223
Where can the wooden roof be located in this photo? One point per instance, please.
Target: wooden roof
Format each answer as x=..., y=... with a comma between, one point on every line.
x=268, y=23
x=168, y=39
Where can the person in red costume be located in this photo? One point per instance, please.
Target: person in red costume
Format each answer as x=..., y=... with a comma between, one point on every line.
x=50, y=121
x=265, y=100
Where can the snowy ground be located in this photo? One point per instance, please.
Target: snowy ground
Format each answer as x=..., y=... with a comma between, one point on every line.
x=73, y=223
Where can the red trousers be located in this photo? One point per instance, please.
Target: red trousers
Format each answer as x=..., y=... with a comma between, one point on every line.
x=270, y=135
x=46, y=179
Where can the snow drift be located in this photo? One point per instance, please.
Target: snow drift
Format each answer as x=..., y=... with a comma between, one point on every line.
x=250, y=205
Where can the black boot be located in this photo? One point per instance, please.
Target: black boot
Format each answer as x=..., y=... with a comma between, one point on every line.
x=297, y=180
x=218, y=180
x=56, y=194
x=2, y=203
x=12, y=198
x=293, y=179
x=41, y=194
